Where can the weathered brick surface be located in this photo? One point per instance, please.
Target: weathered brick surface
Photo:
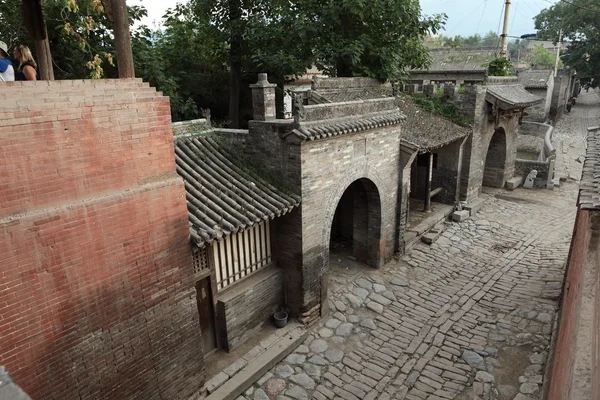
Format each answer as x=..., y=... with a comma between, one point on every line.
x=245, y=308
x=559, y=378
x=540, y=112
x=490, y=152
x=322, y=188
x=96, y=287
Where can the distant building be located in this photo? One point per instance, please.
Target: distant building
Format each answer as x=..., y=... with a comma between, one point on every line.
x=539, y=83
x=456, y=65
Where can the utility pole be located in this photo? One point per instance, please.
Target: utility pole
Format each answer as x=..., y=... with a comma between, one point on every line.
x=558, y=53
x=503, y=44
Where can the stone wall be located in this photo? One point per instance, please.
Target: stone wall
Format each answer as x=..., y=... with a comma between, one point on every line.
x=560, y=95
x=524, y=167
x=181, y=128
x=97, y=298
x=447, y=172
x=342, y=110
x=539, y=112
x=245, y=308
x=477, y=148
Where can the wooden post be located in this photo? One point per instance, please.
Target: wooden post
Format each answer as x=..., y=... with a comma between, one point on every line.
x=427, y=207
x=122, y=39
x=44, y=59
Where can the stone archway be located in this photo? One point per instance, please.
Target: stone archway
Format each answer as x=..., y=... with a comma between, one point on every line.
x=356, y=223
x=494, y=172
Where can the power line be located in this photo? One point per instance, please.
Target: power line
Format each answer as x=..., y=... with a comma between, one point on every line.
x=475, y=9
x=514, y=19
x=483, y=12
x=575, y=5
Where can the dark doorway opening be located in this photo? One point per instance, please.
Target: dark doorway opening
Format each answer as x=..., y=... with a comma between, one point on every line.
x=356, y=227
x=206, y=312
x=494, y=173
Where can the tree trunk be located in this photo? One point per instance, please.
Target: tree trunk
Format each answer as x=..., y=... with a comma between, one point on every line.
x=235, y=58
x=122, y=39
x=44, y=58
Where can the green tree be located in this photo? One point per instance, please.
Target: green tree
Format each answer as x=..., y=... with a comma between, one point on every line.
x=378, y=38
x=542, y=58
x=579, y=23
x=79, y=33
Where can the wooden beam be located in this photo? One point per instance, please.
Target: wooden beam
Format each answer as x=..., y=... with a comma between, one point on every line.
x=122, y=39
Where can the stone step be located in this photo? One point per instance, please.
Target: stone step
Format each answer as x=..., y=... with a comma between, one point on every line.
x=514, y=182
x=474, y=206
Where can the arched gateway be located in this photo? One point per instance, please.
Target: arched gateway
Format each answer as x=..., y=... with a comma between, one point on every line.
x=356, y=225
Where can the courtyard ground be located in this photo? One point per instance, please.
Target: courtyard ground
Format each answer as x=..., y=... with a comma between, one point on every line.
x=468, y=317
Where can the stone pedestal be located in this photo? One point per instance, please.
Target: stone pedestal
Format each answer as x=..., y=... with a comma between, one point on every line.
x=263, y=99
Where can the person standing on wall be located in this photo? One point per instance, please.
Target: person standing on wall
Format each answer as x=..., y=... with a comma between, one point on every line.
x=7, y=72
x=27, y=67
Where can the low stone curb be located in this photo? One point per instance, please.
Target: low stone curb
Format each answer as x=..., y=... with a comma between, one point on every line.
x=241, y=381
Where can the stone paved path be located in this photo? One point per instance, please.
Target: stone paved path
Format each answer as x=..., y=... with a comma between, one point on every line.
x=469, y=317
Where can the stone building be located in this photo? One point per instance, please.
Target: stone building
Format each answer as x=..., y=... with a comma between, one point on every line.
x=355, y=167
x=455, y=65
x=573, y=370
x=539, y=83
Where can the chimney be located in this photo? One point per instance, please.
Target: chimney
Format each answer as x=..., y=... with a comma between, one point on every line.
x=263, y=99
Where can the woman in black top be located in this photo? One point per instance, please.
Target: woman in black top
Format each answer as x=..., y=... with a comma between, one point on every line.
x=27, y=67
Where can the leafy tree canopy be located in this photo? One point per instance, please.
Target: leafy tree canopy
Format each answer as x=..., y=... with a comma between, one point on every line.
x=579, y=23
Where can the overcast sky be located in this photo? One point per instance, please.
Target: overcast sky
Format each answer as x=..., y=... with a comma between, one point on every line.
x=465, y=17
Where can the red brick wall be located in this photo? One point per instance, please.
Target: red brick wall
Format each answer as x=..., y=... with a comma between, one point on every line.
x=96, y=287
x=561, y=373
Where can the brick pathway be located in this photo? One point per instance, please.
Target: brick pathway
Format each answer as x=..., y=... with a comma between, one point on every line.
x=469, y=317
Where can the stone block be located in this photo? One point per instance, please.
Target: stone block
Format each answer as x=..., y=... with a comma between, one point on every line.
x=514, y=182
x=459, y=216
x=430, y=237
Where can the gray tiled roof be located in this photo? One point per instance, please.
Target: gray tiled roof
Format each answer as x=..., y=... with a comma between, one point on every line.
x=535, y=79
x=460, y=59
x=513, y=95
x=222, y=197
x=349, y=125
x=589, y=187
x=426, y=131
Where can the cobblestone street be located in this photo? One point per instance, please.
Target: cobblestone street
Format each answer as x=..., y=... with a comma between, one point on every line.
x=468, y=317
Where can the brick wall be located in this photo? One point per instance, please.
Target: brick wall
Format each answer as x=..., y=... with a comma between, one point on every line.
x=246, y=307
x=563, y=380
x=322, y=188
x=96, y=291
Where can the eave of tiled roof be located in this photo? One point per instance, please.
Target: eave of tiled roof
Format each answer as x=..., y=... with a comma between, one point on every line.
x=425, y=131
x=222, y=198
x=324, y=130
x=511, y=96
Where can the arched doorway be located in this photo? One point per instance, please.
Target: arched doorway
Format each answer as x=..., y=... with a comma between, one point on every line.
x=356, y=226
x=494, y=173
